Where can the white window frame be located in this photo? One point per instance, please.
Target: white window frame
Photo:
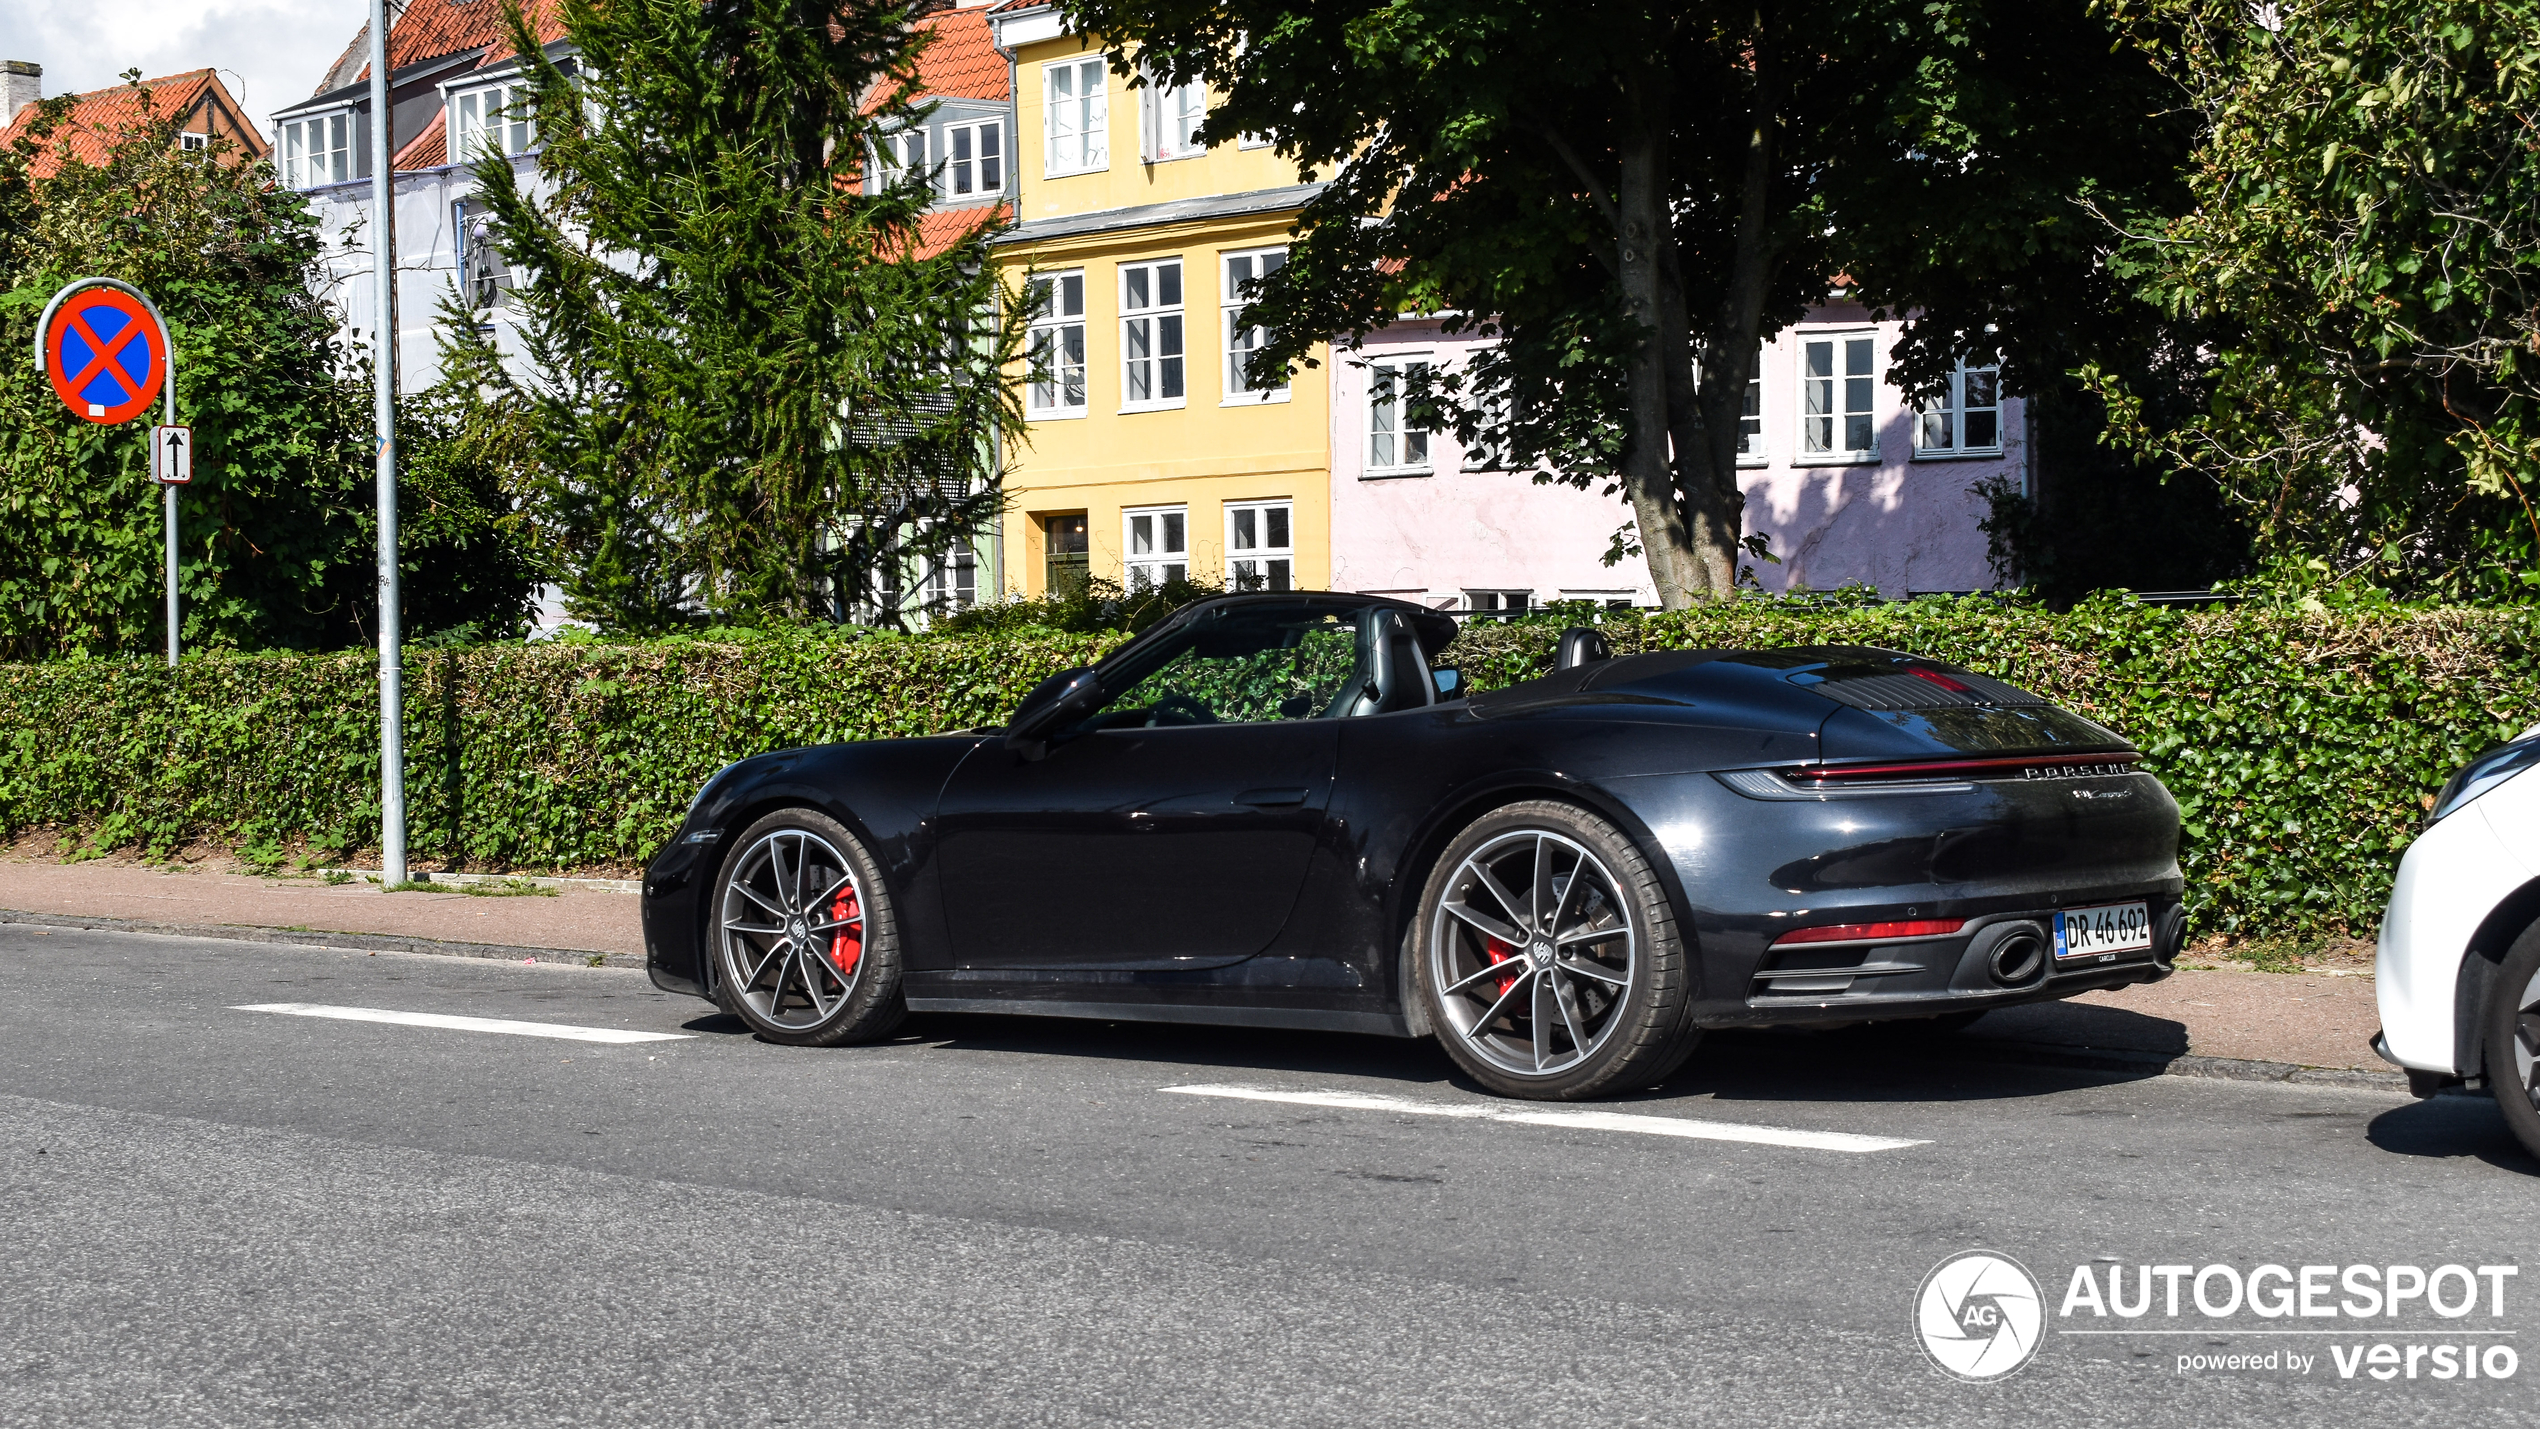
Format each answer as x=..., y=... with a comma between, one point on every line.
x=1752, y=447
x=1382, y=373
x=501, y=110
x=1250, y=553
x=1046, y=401
x=951, y=167
x=1237, y=342
x=1161, y=561
x=1494, y=600
x=193, y=142
x=1161, y=330
x=1169, y=118
x=897, y=152
x=1850, y=400
x=950, y=581
x=1951, y=410
x=1081, y=145
x=328, y=147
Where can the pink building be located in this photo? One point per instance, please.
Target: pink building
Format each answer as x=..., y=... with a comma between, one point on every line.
x=1852, y=484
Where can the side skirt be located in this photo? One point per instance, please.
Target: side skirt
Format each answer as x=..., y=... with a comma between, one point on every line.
x=1372, y=1024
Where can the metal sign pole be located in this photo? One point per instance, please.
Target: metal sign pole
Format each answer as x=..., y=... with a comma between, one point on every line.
x=167, y=346
x=392, y=734
x=169, y=490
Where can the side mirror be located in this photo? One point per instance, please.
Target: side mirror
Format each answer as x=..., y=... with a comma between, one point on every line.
x=1059, y=701
x=1450, y=682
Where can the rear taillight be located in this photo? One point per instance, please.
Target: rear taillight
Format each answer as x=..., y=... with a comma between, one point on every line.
x=1872, y=932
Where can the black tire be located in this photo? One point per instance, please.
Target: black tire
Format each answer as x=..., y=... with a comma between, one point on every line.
x=1613, y=964
x=803, y=967
x=2513, y=1038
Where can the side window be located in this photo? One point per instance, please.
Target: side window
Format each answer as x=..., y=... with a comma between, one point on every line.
x=1076, y=118
x=1254, y=664
x=1057, y=345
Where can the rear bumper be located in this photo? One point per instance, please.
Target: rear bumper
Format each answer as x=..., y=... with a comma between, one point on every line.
x=1927, y=977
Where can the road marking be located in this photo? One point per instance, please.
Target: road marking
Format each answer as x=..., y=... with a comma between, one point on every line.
x=1572, y=1117
x=462, y=1024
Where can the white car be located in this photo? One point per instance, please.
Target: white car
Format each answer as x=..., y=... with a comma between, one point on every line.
x=2459, y=969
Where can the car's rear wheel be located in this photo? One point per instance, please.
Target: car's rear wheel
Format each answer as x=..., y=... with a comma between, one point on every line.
x=1548, y=958
x=2513, y=1038
x=806, y=949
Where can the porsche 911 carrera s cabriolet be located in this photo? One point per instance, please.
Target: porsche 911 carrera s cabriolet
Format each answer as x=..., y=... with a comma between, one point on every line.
x=1282, y=810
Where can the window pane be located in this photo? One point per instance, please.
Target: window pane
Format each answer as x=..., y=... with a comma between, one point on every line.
x=1169, y=347
x=1174, y=545
x=1279, y=575
x=1856, y=357
x=1984, y=429
x=1168, y=283
x=992, y=158
x=1937, y=431
x=1238, y=273
x=1134, y=295
x=1415, y=448
x=1072, y=295
x=1278, y=516
x=1980, y=387
x=1245, y=536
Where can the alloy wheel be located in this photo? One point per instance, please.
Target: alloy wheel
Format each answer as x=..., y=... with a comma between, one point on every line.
x=2527, y=1040
x=1532, y=953
x=793, y=929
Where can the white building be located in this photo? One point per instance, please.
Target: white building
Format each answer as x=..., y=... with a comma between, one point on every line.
x=1849, y=482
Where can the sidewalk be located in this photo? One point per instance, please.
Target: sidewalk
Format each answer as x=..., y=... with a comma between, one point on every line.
x=2271, y=1026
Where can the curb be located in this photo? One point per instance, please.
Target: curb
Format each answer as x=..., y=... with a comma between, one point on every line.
x=604, y=885
x=2180, y=1064
x=312, y=938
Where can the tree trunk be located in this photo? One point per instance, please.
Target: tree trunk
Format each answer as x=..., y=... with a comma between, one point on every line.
x=1676, y=566
x=1706, y=420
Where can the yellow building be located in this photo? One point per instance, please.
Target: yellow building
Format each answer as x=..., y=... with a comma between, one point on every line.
x=1147, y=455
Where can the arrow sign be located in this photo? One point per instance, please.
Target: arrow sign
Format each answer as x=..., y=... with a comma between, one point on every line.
x=172, y=455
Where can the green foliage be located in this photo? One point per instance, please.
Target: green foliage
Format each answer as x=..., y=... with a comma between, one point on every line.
x=758, y=387
x=276, y=543
x=2364, y=244
x=2302, y=741
x=1097, y=605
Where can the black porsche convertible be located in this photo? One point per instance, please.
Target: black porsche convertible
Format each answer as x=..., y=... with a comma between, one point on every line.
x=1283, y=811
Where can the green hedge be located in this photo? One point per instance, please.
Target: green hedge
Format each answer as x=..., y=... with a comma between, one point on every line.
x=2301, y=745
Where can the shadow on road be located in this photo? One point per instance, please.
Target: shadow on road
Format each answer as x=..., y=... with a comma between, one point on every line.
x=2449, y=1127
x=1898, y=1063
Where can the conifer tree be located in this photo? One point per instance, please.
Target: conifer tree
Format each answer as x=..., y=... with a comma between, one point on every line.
x=757, y=386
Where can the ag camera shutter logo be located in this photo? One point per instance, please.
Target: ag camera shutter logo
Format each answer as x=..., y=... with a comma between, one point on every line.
x=1979, y=1315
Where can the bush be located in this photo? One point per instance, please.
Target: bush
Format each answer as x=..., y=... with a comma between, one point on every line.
x=2302, y=743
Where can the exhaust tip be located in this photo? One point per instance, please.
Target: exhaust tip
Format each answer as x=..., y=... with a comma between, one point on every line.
x=2016, y=959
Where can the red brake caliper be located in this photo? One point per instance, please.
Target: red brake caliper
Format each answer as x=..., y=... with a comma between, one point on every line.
x=847, y=945
x=1500, y=952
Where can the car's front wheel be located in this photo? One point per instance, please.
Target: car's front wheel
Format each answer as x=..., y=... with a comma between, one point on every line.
x=1548, y=958
x=2513, y=1038
x=806, y=949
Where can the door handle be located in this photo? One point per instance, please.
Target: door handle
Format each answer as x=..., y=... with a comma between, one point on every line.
x=1271, y=798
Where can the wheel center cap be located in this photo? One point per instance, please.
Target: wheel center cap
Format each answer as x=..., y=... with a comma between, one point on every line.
x=798, y=930
x=1542, y=954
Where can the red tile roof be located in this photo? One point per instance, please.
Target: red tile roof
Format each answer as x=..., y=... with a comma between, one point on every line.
x=963, y=62
x=432, y=28
x=101, y=116
x=939, y=229
x=427, y=150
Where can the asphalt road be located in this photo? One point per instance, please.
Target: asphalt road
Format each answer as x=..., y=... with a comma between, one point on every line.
x=225, y=1217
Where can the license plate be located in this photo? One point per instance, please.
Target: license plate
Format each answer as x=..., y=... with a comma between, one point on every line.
x=2102, y=932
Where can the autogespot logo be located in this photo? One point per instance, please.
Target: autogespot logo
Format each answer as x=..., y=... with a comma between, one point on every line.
x=1980, y=1315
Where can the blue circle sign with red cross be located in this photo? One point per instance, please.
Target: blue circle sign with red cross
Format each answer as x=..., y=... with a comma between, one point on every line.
x=105, y=356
